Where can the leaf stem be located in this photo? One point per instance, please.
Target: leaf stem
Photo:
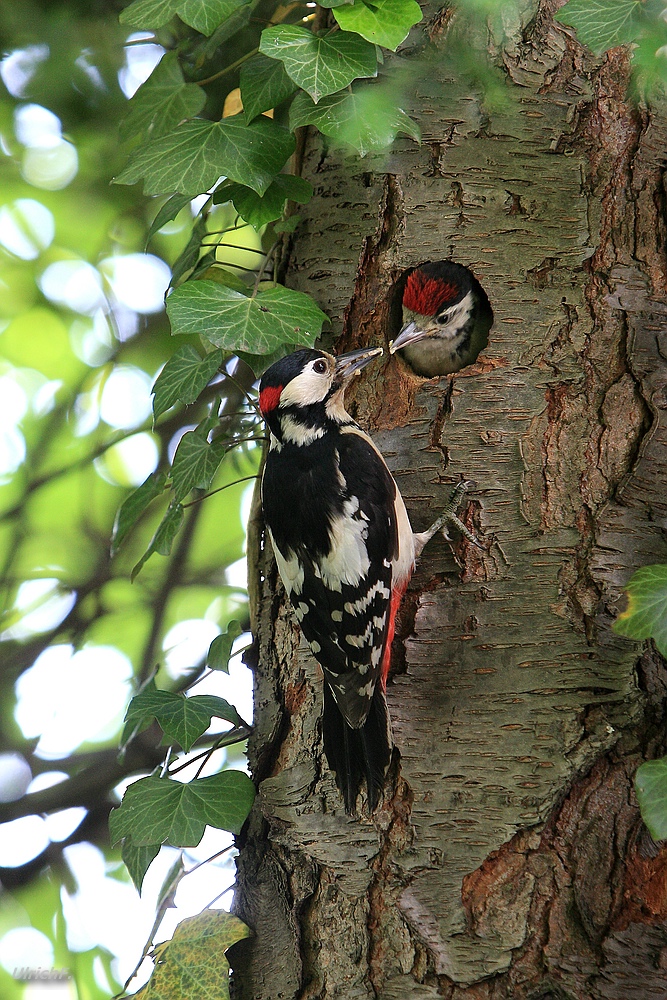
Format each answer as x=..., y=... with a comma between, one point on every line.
x=228, y=69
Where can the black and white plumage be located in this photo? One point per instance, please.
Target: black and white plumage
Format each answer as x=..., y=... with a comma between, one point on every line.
x=446, y=319
x=345, y=551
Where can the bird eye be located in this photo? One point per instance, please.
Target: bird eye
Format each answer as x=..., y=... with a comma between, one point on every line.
x=442, y=319
x=320, y=366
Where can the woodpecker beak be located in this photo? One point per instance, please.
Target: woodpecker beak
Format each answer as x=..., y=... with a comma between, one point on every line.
x=349, y=364
x=410, y=334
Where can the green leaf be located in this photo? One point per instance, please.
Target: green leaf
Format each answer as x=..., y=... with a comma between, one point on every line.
x=651, y=787
x=183, y=377
x=138, y=860
x=383, y=22
x=220, y=650
x=602, y=24
x=149, y=13
x=236, y=322
x=163, y=101
x=167, y=213
x=203, y=15
x=288, y=225
x=319, y=66
x=264, y=85
x=195, y=463
x=367, y=119
x=131, y=509
x=189, y=256
x=646, y=614
x=192, y=964
x=182, y=719
x=163, y=539
x=206, y=15
x=259, y=210
x=162, y=810
x=192, y=157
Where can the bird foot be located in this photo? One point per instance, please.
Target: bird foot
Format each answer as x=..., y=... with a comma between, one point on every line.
x=449, y=516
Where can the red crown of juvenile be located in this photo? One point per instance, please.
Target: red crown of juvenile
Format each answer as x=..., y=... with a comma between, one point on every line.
x=426, y=296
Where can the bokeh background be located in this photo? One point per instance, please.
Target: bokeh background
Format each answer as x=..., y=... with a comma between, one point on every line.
x=83, y=335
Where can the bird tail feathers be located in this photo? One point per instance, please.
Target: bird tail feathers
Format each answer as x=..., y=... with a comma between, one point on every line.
x=358, y=754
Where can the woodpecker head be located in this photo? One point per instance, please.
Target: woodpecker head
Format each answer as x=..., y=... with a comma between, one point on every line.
x=446, y=318
x=301, y=395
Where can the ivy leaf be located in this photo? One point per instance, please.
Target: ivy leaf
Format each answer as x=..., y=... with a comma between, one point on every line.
x=182, y=719
x=220, y=650
x=264, y=85
x=183, y=377
x=192, y=963
x=320, y=66
x=651, y=788
x=206, y=15
x=192, y=157
x=138, y=860
x=602, y=24
x=131, y=509
x=163, y=539
x=162, y=810
x=163, y=101
x=203, y=15
x=646, y=614
x=188, y=258
x=195, y=463
x=237, y=322
x=149, y=13
x=167, y=213
x=259, y=210
x=383, y=22
x=367, y=119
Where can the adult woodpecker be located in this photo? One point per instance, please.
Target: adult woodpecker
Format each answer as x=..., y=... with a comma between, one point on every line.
x=344, y=548
x=446, y=319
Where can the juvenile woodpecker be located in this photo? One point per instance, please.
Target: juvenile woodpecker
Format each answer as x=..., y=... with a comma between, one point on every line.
x=345, y=551
x=446, y=319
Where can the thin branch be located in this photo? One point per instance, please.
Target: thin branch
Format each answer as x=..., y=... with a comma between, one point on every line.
x=218, y=490
x=227, y=69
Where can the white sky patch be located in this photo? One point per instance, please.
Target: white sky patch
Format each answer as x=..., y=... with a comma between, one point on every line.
x=43, y=604
x=51, y=169
x=75, y=284
x=46, y=780
x=67, y=699
x=130, y=461
x=25, y=947
x=186, y=644
x=18, y=68
x=37, y=127
x=138, y=280
x=126, y=397
x=27, y=228
x=140, y=61
x=91, y=339
x=15, y=776
x=21, y=840
x=59, y=825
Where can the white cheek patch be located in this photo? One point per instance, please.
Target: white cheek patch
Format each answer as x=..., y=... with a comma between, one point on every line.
x=308, y=387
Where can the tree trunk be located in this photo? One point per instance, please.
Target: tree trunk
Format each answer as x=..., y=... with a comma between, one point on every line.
x=506, y=860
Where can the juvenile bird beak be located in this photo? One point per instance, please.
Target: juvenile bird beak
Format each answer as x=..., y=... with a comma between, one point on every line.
x=349, y=364
x=410, y=334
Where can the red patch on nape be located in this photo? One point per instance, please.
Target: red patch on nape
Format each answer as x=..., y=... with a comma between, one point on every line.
x=269, y=398
x=426, y=296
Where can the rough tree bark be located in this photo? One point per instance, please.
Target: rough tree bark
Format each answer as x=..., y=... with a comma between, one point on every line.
x=505, y=861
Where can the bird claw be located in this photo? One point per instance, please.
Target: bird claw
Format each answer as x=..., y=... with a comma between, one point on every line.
x=449, y=516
